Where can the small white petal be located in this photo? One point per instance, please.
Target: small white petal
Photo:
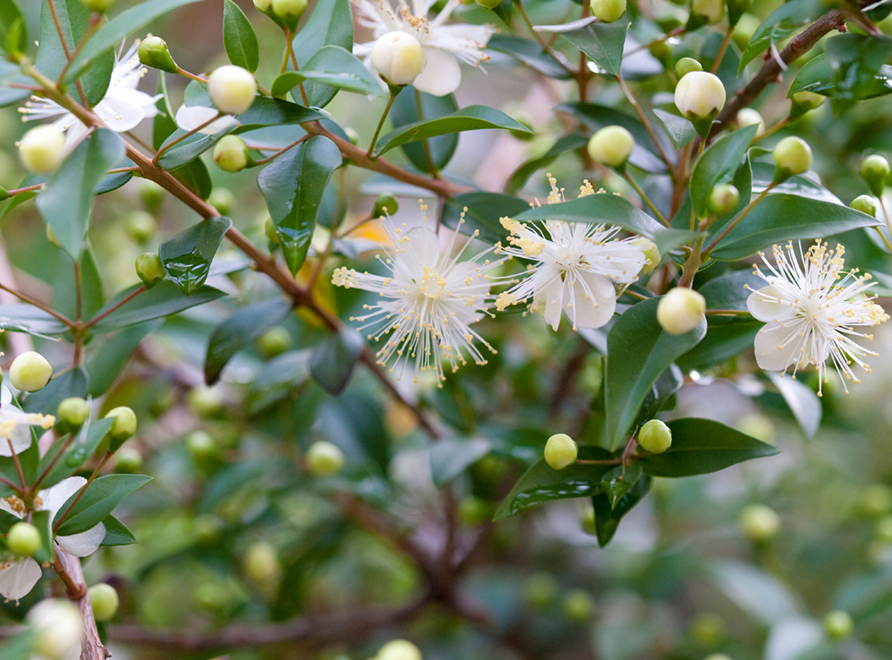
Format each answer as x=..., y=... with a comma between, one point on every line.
x=83, y=544
x=17, y=579
x=21, y=441
x=768, y=310
x=554, y=303
x=771, y=353
x=441, y=74
x=191, y=117
x=54, y=497
x=596, y=311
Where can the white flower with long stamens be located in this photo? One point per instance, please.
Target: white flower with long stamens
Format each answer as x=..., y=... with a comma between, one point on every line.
x=811, y=306
x=427, y=303
x=444, y=45
x=122, y=107
x=577, y=267
x=15, y=425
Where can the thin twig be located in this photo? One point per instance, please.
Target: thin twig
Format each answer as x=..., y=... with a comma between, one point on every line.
x=117, y=306
x=39, y=305
x=264, y=161
x=184, y=136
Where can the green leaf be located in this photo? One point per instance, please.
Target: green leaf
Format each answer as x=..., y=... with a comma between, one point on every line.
x=187, y=256
x=111, y=355
x=116, y=532
x=277, y=379
x=472, y=118
x=65, y=296
x=607, y=517
x=700, y=446
x=867, y=594
x=857, y=61
x=452, y=456
x=729, y=291
x=483, y=212
x=618, y=481
x=196, y=177
x=10, y=14
x=602, y=43
x=761, y=595
x=162, y=300
x=329, y=24
x=110, y=35
x=274, y=112
x=293, y=186
x=331, y=69
x=405, y=112
x=187, y=149
x=819, y=76
x=334, y=358
x=527, y=52
x=567, y=143
x=763, y=174
x=680, y=130
x=81, y=448
x=781, y=217
x=97, y=502
x=638, y=351
x=597, y=209
x=726, y=338
x=241, y=329
x=19, y=646
x=73, y=382
x=68, y=199
x=803, y=402
x=718, y=164
x=239, y=39
x=7, y=520
x=780, y=24
x=20, y=317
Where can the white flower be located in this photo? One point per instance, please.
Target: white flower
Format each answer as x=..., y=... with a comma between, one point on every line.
x=427, y=303
x=190, y=117
x=122, y=107
x=811, y=309
x=57, y=628
x=577, y=266
x=15, y=425
x=19, y=577
x=444, y=45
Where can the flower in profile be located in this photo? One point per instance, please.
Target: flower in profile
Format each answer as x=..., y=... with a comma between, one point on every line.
x=811, y=307
x=576, y=267
x=122, y=107
x=428, y=301
x=444, y=45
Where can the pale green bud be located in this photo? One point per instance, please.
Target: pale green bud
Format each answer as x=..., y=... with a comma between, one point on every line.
x=808, y=100
x=540, y=590
x=883, y=530
x=202, y=447
x=100, y=6
x=140, y=226
x=399, y=649
x=875, y=171
x=324, y=459
x=42, y=149
x=723, y=199
x=261, y=564
x=57, y=628
x=651, y=254
x=745, y=29
x=149, y=269
x=269, y=228
x=750, y=117
x=838, y=625
x=30, y=372
x=398, y=58
x=792, y=156
x=699, y=95
x=865, y=204
x=288, y=11
x=23, y=539
x=611, y=146
x=232, y=89
x=123, y=428
x=587, y=520
x=711, y=10
x=685, y=66
x=128, y=461
x=204, y=401
x=104, y=600
x=759, y=523
x=578, y=606
x=473, y=511
x=231, y=154
x=560, y=451
x=386, y=204
x=680, y=310
x=274, y=341
x=223, y=200
x=73, y=412
x=608, y=11
x=154, y=53
x=151, y=195
x=655, y=437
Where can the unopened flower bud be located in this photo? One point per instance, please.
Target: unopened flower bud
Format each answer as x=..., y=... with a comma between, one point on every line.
x=151, y=195
x=30, y=372
x=231, y=154
x=398, y=58
x=680, y=310
x=223, y=200
x=685, y=66
x=128, y=461
x=154, y=53
x=608, y=11
x=759, y=522
x=723, y=199
x=611, y=146
x=104, y=600
x=100, y=6
x=42, y=149
x=489, y=4
x=232, y=89
x=23, y=539
x=865, y=204
x=73, y=412
x=123, y=428
x=578, y=606
x=202, y=448
x=655, y=437
x=587, y=520
x=149, y=269
x=710, y=10
x=699, y=96
x=261, y=564
x=57, y=627
x=560, y=451
x=324, y=459
x=875, y=171
x=140, y=226
x=288, y=11
x=808, y=100
x=473, y=511
x=651, y=252
x=399, y=649
x=838, y=625
x=750, y=117
x=204, y=401
x=385, y=205
x=274, y=341
x=540, y=590
x=792, y=156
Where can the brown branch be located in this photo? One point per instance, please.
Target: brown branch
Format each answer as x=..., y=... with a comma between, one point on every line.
x=69, y=570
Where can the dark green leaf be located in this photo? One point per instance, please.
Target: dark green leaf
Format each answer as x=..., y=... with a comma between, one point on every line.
x=781, y=23
x=761, y=595
x=607, y=517
x=163, y=124
x=819, y=76
x=7, y=520
x=527, y=52
x=725, y=338
x=81, y=448
x=618, y=481
x=20, y=317
x=803, y=402
x=763, y=174
x=239, y=38
x=857, y=61
x=331, y=69
x=116, y=532
x=700, y=446
x=274, y=112
x=729, y=291
x=162, y=300
x=718, y=164
x=680, y=130
x=196, y=176
x=73, y=382
x=111, y=354
x=597, y=209
x=405, y=112
x=293, y=186
x=187, y=256
x=334, y=358
x=277, y=379
x=112, y=182
x=188, y=148
x=667, y=240
x=483, y=212
x=638, y=351
x=68, y=199
x=97, y=502
x=452, y=456
x=522, y=174
x=602, y=43
x=330, y=24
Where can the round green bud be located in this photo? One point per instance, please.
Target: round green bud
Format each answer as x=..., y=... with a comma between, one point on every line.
x=489, y=4
x=883, y=531
x=149, y=269
x=608, y=11
x=324, y=459
x=232, y=89
x=560, y=451
x=23, y=539
x=399, y=649
x=151, y=195
x=30, y=372
x=875, y=171
x=105, y=601
x=140, y=226
x=473, y=511
x=42, y=149
x=128, y=461
x=261, y=564
x=288, y=11
x=202, y=446
x=699, y=95
x=57, y=629
x=398, y=58
x=153, y=52
x=274, y=341
x=651, y=254
x=685, y=66
x=876, y=500
x=124, y=426
x=865, y=204
x=792, y=156
x=588, y=521
x=73, y=412
x=223, y=200
x=611, y=146
x=540, y=590
x=838, y=625
x=708, y=629
x=712, y=11
x=655, y=437
x=269, y=228
x=51, y=236
x=723, y=199
x=386, y=204
x=231, y=154
x=759, y=523
x=100, y=6
x=680, y=310
x=808, y=100
x=204, y=401
x=750, y=117
x=578, y=606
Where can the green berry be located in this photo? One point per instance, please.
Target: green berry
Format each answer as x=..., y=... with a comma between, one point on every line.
x=808, y=100
x=655, y=437
x=578, y=605
x=128, y=461
x=73, y=412
x=324, y=459
x=865, y=204
x=274, y=341
x=30, y=372
x=100, y=6
x=151, y=195
x=588, y=521
x=792, y=156
x=611, y=146
x=386, y=204
x=150, y=269
x=204, y=401
x=759, y=523
x=723, y=199
x=105, y=601
x=140, y=226
x=608, y=11
x=838, y=625
x=288, y=11
x=123, y=428
x=680, y=310
x=23, y=539
x=202, y=447
x=708, y=629
x=560, y=451
x=540, y=590
x=231, y=154
x=223, y=200
x=261, y=564
x=686, y=65
x=875, y=171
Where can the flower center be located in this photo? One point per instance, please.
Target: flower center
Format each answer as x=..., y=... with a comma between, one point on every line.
x=432, y=284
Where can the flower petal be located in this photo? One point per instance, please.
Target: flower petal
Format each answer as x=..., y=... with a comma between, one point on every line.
x=771, y=353
x=768, y=310
x=119, y=115
x=441, y=74
x=191, y=117
x=598, y=308
x=18, y=578
x=21, y=440
x=83, y=544
x=553, y=303
x=53, y=498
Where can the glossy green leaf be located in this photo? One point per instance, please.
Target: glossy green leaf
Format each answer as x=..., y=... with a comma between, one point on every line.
x=452, y=456
x=241, y=329
x=781, y=23
x=726, y=338
x=10, y=14
x=162, y=300
x=275, y=112
x=860, y=66
x=330, y=69
x=618, y=481
x=98, y=501
x=239, y=39
x=607, y=517
x=329, y=24
x=866, y=594
x=602, y=43
x=77, y=453
x=597, y=209
x=20, y=317
x=116, y=532
x=334, y=359
x=293, y=186
x=73, y=382
x=567, y=143
x=68, y=199
x=196, y=177
x=112, y=182
x=188, y=148
x=802, y=400
x=667, y=240
x=542, y=484
x=819, y=76
x=110, y=355
x=483, y=212
x=781, y=217
x=527, y=52
x=680, y=130
x=763, y=174
x=729, y=291
x=638, y=351
x=405, y=112
x=472, y=118
x=700, y=446
x=718, y=164
x=187, y=256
